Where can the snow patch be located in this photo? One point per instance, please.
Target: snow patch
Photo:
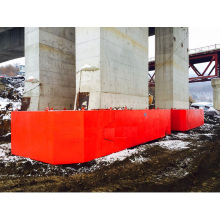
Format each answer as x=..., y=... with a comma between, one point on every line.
x=208, y=135
x=6, y=117
x=202, y=104
x=15, y=105
x=6, y=135
x=173, y=144
x=207, y=126
x=121, y=155
x=5, y=154
x=139, y=159
x=5, y=157
x=181, y=136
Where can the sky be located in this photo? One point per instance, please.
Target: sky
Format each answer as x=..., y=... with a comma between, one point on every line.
x=20, y=61
x=198, y=37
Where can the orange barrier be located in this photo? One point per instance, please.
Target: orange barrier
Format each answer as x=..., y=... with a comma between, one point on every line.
x=65, y=137
x=184, y=120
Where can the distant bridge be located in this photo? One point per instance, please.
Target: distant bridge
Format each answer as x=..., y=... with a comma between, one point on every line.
x=209, y=54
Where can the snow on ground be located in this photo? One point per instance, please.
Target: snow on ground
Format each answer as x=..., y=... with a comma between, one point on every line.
x=16, y=105
x=5, y=150
x=5, y=156
x=48, y=169
x=202, y=104
x=12, y=93
x=207, y=126
x=173, y=144
x=5, y=102
x=7, y=117
x=121, y=155
x=192, y=136
x=103, y=161
x=208, y=135
x=6, y=135
x=20, y=90
x=182, y=136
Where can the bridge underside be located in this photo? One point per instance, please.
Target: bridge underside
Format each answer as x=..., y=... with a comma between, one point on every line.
x=11, y=43
x=151, y=31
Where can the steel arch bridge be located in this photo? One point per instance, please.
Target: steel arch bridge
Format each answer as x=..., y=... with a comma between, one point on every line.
x=209, y=54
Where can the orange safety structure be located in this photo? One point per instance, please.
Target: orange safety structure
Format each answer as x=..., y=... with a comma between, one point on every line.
x=184, y=120
x=65, y=137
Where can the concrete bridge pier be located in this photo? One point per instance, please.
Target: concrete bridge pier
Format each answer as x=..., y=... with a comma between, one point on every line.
x=171, y=68
x=50, y=68
x=216, y=93
x=111, y=67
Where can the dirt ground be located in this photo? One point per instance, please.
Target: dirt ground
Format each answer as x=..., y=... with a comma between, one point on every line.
x=151, y=169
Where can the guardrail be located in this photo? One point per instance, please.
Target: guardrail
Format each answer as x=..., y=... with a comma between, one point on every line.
x=197, y=50
x=203, y=49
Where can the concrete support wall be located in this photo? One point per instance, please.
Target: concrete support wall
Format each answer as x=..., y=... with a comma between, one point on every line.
x=118, y=72
x=171, y=68
x=216, y=93
x=50, y=60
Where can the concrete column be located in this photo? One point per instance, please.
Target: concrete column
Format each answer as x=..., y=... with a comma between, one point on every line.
x=50, y=68
x=216, y=93
x=171, y=68
x=112, y=67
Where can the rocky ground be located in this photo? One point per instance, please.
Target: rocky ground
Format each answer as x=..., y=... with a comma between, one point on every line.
x=182, y=162
x=11, y=92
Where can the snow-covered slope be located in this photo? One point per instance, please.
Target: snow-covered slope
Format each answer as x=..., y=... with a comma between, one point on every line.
x=11, y=95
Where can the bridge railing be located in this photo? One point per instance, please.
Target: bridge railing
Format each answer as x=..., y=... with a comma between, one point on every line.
x=203, y=49
x=197, y=50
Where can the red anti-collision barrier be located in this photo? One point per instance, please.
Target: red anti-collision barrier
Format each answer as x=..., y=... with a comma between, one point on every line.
x=65, y=137
x=184, y=120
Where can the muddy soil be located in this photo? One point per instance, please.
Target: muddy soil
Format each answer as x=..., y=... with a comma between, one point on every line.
x=5, y=127
x=152, y=169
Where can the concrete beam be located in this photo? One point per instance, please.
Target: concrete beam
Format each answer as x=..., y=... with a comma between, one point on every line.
x=216, y=93
x=11, y=43
x=116, y=73
x=151, y=31
x=50, y=68
x=171, y=65
x=3, y=29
